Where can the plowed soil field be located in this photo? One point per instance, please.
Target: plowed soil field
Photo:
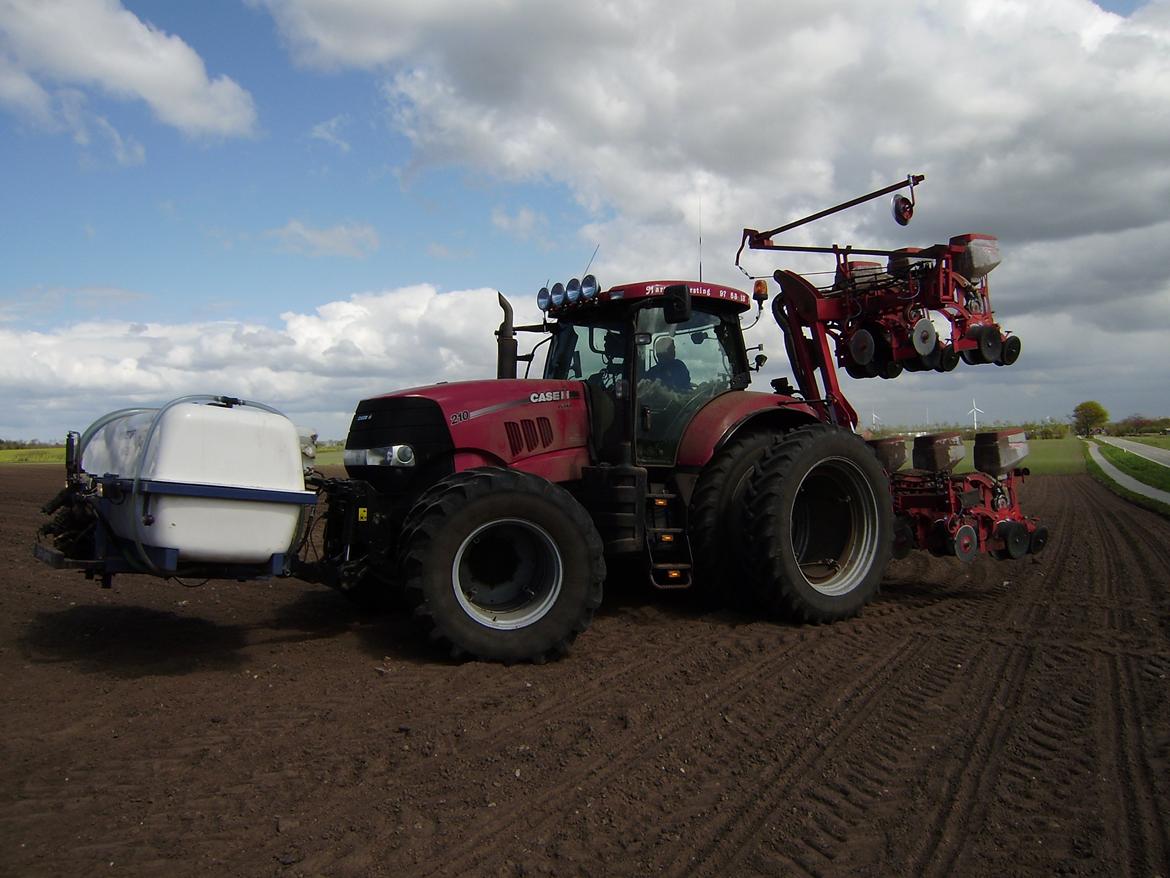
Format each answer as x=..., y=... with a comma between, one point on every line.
x=987, y=720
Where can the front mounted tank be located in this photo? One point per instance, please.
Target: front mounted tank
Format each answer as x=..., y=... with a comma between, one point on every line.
x=209, y=486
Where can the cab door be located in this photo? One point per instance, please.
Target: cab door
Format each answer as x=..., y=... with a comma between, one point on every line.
x=597, y=354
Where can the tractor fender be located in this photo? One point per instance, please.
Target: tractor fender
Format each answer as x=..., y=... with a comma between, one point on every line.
x=725, y=416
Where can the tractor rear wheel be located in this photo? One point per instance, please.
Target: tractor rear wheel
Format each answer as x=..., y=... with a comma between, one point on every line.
x=506, y=566
x=821, y=525
x=718, y=520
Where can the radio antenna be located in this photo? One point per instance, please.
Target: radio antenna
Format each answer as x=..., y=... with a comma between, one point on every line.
x=700, y=237
x=591, y=258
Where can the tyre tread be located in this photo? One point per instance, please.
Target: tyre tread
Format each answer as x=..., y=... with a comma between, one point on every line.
x=708, y=520
x=430, y=515
x=772, y=591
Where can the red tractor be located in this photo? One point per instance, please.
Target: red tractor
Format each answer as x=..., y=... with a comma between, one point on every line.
x=491, y=506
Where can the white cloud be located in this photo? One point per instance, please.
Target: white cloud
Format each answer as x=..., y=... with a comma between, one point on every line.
x=354, y=240
x=36, y=303
x=329, y=132
x=21, y=92
x=438, y=250
x=522, y=225
x=1044, y=123
x=99, y=44
x=320, y=363
x=1023, y=114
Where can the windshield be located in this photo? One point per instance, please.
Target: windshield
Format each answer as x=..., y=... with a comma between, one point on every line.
x=680, y=367
x=687, y=356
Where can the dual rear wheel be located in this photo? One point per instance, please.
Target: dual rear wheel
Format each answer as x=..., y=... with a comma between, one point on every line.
x=804, y=523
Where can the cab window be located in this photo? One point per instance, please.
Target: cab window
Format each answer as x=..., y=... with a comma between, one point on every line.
x=594, y=353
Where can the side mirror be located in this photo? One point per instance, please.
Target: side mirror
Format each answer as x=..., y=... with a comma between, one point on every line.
x=677, y=303
x=761, y=359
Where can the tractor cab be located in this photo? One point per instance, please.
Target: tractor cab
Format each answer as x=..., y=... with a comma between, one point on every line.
x=651, y=355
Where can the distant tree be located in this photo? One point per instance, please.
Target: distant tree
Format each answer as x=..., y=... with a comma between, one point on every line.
x=1134, y=425
x=1049, y=428
x=1089, y=416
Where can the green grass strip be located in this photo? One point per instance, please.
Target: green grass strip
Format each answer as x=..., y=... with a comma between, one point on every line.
x=1145, y=471
x=1137, y=499
x=1046, y=457
x=329, y=456
x=1152, y=441
x=33, y=455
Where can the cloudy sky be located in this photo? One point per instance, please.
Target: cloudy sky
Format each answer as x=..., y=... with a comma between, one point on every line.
x=306, y=202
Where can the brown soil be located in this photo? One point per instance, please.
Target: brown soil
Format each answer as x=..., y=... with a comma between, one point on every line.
x=991, y=719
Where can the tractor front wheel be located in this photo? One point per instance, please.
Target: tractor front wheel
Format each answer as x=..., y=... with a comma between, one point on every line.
x=507, y=566
x=821, y=525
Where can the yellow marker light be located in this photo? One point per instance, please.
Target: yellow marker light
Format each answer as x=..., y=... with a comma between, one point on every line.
x=667, y=538
x=659, y=502
x=674, y=574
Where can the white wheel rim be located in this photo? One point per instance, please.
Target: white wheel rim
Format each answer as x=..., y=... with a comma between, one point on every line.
x=834, y=535
x=507, y=591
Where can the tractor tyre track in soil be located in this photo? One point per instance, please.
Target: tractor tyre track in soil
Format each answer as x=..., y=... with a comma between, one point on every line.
x=983, y=720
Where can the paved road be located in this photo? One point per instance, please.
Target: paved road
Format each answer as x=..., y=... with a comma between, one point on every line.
x=1149, y=452
x=1125, y=481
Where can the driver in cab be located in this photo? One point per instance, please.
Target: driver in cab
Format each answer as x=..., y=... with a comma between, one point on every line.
x=669, y=371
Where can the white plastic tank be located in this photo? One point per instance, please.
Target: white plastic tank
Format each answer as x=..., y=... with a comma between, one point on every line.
x=208, y=451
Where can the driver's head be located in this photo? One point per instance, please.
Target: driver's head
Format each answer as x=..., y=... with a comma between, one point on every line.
x=664, y=349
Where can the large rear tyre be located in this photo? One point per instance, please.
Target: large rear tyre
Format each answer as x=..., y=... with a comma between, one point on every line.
x=718, y=521
x=821, y=524
x=506, y=566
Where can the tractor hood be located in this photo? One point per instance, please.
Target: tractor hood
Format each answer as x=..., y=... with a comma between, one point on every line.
x=464, y=403
x=501, y=422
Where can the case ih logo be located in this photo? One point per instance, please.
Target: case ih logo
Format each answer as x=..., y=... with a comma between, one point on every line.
x=552, y=395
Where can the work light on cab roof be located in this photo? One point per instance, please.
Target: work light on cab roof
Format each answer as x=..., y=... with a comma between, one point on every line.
x=573, y=293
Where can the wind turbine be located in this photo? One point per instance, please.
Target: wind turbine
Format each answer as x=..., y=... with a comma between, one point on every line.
x=874, y=420
x=975, y=413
